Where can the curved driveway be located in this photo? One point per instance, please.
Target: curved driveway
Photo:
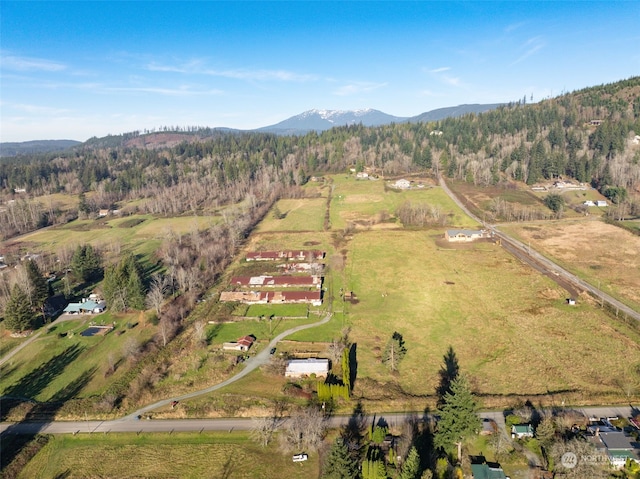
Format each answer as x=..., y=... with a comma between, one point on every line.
x=255, y=362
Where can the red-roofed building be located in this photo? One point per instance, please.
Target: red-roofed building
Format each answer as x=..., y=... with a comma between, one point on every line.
x=277, y=281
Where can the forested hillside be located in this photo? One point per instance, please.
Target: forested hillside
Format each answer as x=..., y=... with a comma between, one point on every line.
x=589, y=135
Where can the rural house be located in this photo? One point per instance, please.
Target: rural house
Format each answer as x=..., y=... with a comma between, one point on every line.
x=402, y=184
x=273, y=297
x=617, y=446
x=298, y=368
x=289, y=255
x=518, y=431
x=463, y=236
x=242, y=344
x=86, y=306
x=277, y=281
x=487, y=471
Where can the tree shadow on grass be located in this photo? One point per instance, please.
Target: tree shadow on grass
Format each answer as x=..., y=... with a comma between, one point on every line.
x=37, y=380
x=18, y=446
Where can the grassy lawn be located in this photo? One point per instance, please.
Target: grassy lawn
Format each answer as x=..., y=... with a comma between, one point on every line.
x=184, y=455
x=143, y=237
x=62, y=364
x=301, y=214
x=365, y=201
x=601, y=254
x=278, y=310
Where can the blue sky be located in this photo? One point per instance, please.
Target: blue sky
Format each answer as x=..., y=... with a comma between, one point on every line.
x=80, y=69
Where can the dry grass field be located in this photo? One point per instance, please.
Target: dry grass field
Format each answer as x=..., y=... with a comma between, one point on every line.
x=165, y=456
x=365, y=202
x=142, y=238
x=508, y=325
x=602, y=254
x=301, y=214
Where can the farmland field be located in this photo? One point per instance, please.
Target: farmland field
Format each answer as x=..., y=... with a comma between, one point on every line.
x=602, y=254
x=164, y=455
x=508, y=325
x=143, y=236
x=368, y=202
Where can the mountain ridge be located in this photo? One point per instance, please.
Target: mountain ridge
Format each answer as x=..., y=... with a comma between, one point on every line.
x=318, y=120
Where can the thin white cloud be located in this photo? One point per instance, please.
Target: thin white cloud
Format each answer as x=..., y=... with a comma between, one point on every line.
x=182, y=91
x=514, y=26
x=530, y=47
x=18, y=63
x=358, y=87
x=442, y=75
x=196, y=67
x=37, y=109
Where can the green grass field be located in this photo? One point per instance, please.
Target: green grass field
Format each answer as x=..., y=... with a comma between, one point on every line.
x=303, y=214
x=142, y=238
x=365, y=201
x=162, y=455
x=62, y=364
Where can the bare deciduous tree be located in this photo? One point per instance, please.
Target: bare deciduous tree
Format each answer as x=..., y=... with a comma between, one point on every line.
x=304, y=430
x=157, y=290
x=262, y=430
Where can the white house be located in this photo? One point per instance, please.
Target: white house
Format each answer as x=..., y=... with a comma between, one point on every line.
x=465, y=235
x=589, y=203
x=601, y=203
x=297, y=368
x=402, y=184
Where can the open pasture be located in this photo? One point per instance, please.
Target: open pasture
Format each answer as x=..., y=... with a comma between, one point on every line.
x=602, y=254
x=300, y=214
x=162, y=455
x=509, y=326
x=62, y=364
x=364, y=201
x=143, y=236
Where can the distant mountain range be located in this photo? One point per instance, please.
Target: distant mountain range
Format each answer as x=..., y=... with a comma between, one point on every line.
x=36, y=146
x=312, y=120
x=321, y=120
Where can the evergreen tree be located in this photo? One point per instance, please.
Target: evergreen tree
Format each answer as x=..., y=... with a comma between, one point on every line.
x=18, y=315
x=411, y=466
x=394, y=351
x=458, y=417
x=39, y=291
x=86, y=264
x=339, y=464
x=122, y=287
x=448, y=373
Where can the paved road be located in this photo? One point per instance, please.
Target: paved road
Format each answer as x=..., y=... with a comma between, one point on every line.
x=566, y=279
x=260, y=359
x=243, y=424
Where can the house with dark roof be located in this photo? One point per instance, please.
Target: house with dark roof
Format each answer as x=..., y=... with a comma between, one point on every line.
x=616, y=445
x=518, y=431
x=481, y=469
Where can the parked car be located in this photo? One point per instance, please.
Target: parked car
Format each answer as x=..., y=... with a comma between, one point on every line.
x=300, y=457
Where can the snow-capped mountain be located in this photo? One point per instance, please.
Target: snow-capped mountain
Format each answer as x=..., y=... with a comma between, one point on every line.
x=320, y=120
